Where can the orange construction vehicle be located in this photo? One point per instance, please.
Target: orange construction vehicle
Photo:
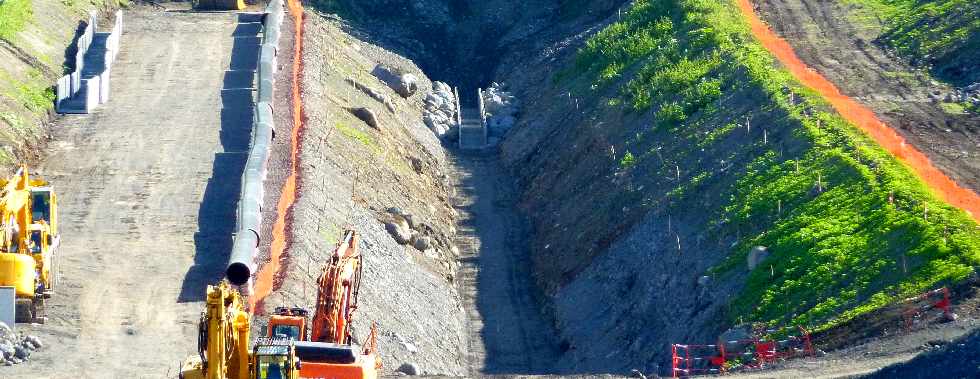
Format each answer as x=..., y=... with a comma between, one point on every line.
x=327, y=349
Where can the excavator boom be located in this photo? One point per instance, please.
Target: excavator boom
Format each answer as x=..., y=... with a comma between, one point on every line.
x=337, y=294
x=328, y=350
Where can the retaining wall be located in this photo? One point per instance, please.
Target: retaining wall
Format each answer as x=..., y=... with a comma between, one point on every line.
x=69, y=87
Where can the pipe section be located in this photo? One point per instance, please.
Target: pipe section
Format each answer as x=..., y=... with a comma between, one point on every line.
x=241, y=264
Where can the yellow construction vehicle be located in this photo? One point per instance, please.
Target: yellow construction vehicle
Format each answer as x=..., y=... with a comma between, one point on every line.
x=223, y=344
x=28, y=242
x=327, y=351
x=224, y=5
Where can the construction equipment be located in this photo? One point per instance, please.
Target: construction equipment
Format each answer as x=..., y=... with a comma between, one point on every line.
x=29, y=231
x=224, y=5
x=223, y=344
x=327, y=349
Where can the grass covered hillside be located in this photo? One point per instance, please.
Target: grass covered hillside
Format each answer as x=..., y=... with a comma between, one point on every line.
x=705, y=110
x=35, y=36
x=942, y=33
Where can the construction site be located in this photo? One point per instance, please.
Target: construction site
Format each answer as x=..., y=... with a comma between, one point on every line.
x=346, y=189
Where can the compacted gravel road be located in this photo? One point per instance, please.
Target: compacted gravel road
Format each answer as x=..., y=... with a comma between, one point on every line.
x=147, y=187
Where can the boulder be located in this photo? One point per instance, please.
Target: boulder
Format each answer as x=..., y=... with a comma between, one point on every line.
x=408, y=85
x=365, y=115
x=6, y=332
x=422, y=243
x=6, y=350
x=21, y=352
x=756, y=256
x=399, y=230
x=34, y=340
x=408, y=368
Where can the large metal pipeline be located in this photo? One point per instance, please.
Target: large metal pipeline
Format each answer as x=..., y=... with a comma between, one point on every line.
x=241, y=263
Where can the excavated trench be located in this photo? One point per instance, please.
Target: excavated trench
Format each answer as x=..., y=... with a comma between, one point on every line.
x=467, y=44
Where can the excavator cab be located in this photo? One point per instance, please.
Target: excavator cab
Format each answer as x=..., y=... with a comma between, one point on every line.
x=288, y=323
x=276, y=361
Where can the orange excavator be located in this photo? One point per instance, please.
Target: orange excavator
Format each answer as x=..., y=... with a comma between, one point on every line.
x=327, y=349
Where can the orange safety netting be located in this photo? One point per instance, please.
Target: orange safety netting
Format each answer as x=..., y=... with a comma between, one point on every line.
x=264, y=280
x=863, y=117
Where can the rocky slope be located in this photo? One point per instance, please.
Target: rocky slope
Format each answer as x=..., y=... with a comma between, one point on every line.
x=368, y=162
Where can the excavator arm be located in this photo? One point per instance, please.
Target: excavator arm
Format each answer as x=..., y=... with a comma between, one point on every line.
x=337, y=293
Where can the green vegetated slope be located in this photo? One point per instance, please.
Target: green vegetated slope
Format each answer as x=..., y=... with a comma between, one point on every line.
x=942, y=33
x=34, y=37
x=849, y=227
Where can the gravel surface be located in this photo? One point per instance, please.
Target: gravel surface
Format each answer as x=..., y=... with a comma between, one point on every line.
x=147, y=188
x=507, y=333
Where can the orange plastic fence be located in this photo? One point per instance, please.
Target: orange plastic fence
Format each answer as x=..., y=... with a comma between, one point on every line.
x=264, y=280
x=864, y=118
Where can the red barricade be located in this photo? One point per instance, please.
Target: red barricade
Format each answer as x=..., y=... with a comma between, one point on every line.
x=919, y=305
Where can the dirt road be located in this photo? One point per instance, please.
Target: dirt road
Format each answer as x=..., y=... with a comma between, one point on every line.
x=831, y=40
x=506, y=332
x=147, y=188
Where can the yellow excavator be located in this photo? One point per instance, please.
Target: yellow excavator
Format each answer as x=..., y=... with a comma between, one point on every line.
x=224, y=5
x=224, y=348
x=28, y=242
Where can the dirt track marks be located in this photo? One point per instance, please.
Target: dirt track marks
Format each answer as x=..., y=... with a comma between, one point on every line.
x=147, y=188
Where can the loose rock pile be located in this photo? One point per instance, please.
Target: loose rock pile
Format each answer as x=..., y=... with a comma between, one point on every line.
x=440, y=111
x=407, y=229
x=969, y=94
x=501, y=107
x=15, y=348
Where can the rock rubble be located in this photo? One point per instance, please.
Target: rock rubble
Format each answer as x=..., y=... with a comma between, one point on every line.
x=501, y=107
x=440, y=111
x=16, y=348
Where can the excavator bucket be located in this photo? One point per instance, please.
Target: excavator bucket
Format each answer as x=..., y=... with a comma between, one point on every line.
x=224, y=5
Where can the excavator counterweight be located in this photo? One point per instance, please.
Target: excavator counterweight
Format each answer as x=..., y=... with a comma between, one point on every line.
x=223, y=5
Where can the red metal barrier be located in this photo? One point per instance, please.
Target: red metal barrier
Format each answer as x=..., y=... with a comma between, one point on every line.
x=935, y=299
x=690, y=360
